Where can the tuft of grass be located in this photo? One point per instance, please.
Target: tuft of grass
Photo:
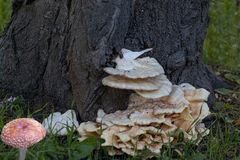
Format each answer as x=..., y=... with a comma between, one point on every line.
x=222, y=143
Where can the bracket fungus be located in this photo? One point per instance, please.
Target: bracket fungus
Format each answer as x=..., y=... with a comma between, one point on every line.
x=22, y=133
x=155, y=111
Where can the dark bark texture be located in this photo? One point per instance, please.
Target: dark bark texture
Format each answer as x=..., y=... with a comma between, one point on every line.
x=56, y=50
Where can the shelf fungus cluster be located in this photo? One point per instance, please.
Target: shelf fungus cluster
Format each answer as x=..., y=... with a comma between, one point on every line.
x=157, y=112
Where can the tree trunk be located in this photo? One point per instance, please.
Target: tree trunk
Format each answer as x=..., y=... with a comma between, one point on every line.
x=56, y=50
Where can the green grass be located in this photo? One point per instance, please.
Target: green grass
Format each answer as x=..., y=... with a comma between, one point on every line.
x=5, y=12
x=222, y=143
x=222, y=46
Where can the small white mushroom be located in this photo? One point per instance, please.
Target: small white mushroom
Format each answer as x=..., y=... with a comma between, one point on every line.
x=58, y=123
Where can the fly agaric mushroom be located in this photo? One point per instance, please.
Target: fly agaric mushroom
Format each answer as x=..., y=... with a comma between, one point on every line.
x=22, y=133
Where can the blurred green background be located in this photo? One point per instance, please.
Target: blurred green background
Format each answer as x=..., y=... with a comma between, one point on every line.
x=5, y=12
x=222, y=46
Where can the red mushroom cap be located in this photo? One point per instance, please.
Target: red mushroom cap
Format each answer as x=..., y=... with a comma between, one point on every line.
x=23, y=132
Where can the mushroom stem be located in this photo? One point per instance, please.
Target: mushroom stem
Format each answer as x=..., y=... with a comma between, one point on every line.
x=22, y=153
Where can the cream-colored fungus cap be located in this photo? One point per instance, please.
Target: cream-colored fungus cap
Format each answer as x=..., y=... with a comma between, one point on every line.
x=143, y=68
x=127, y=61
x=176, y=97
x=197, y=94
x=142, y=118
x=117, y=118
x=165, y=88
x=200, y=110
x=159, y=105
x=132, y=84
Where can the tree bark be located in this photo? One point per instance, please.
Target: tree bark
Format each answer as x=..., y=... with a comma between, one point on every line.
x=56, y=50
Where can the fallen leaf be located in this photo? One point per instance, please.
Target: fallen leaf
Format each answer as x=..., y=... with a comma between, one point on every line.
x=223, y=91
x=237, y=122
x=232, y=77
